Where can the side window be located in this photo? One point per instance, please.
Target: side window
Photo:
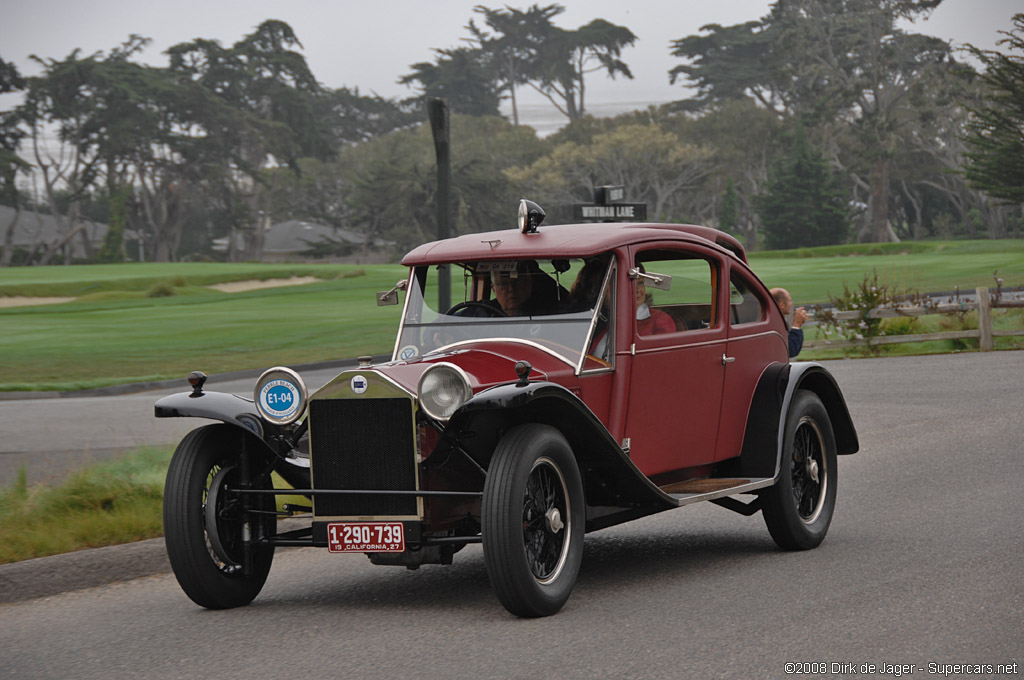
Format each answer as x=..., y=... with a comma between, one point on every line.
x=745, y=306
x=688, y=304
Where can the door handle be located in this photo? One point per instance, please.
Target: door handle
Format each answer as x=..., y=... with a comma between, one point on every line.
x=727, y=360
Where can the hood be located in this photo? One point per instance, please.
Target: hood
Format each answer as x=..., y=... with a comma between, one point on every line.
x=487, y=363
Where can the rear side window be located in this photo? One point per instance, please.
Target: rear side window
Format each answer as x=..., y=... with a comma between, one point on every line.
x=745, y=305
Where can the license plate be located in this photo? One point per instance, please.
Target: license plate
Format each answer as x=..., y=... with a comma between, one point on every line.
x=366, y=537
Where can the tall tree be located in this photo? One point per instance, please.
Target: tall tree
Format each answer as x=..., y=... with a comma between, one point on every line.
x=995, y=161
x=658, y=168
x=62, y=99
x=11, y=164
x=567, y=57
x=514, y=43
x=463, y=76
x=351, y=117
x=843, y=66
x=271, y=91
x=803, y=204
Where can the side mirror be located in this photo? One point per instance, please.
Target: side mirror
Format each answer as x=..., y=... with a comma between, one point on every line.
x=390, y=297
x=652, y=280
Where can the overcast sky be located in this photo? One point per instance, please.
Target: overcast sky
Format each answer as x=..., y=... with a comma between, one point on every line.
x=369, y=44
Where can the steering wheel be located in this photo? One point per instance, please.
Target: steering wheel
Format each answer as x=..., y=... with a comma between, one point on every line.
x=491, y=311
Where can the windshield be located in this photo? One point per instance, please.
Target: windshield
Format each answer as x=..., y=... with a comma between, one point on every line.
x=559, y=305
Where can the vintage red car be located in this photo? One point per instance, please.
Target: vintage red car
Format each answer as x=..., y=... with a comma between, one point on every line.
x=545, y=383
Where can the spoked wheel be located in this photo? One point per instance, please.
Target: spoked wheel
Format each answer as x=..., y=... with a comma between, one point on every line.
x=205, y=524
x=533, y=521
x=798, y=508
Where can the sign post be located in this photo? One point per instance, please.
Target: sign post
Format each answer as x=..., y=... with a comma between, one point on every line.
x=608, y=206
x=437, y=111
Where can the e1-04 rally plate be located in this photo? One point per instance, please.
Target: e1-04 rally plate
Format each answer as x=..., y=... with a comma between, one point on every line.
x=376, y=537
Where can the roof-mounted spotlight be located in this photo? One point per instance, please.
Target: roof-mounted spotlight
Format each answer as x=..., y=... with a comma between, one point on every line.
x=530, y=216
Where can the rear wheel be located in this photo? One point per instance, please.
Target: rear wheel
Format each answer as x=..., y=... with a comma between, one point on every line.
x=205, y=524
x=798, y=508
x=533, y=521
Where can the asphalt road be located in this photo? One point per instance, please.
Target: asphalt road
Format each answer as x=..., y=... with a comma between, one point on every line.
x=923, y=565
x=51, y=437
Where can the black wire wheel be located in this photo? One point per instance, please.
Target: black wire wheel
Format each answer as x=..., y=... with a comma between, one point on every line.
x=533, y=521
x=205, y=525
x=798, y=508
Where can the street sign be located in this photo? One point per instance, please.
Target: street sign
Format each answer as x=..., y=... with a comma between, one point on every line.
x=624, y=212
x=609, y=194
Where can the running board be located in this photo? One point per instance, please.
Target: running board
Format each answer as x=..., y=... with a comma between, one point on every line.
x=697, y=490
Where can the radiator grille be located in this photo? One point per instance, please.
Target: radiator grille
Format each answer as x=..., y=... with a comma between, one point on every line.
x=363, y=444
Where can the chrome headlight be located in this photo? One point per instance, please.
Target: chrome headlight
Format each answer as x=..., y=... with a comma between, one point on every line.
x=443, y=389
x=280, y=395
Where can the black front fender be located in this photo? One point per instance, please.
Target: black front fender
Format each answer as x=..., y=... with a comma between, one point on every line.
x=227, y=408
x=610, y=478
x=240, y=412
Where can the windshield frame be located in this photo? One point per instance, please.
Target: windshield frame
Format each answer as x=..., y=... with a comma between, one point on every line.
x=418, y=291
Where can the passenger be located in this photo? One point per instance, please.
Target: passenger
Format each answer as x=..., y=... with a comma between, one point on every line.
x=588, y=285
x=796, y=333
x=584, y=294
x=650, y=321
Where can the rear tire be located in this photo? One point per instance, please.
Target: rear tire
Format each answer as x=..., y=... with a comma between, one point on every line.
x=798, y=508
x=205, y=545
x=533, y=521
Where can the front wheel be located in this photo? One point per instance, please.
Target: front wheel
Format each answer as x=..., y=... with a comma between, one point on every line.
x=205, y=525
x=533, y=521
x=798, y=508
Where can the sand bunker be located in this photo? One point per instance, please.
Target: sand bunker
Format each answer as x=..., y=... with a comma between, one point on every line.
x=242, y=286
x=21, y=301
x=231, y=287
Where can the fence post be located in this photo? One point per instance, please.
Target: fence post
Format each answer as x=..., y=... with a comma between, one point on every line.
x=985, y=343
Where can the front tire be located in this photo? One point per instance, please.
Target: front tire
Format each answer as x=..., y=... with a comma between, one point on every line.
x=533, y=521
x=798, y=508
x=204, y=524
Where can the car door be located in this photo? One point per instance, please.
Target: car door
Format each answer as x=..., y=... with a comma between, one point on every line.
x=753, y=344
x=676, y=372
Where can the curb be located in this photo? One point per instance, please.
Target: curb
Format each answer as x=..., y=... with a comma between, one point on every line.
x=56, y=574
x=45, y=576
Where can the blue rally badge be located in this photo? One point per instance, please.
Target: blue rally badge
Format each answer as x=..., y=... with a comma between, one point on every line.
x=359, y=384
x=280, y=398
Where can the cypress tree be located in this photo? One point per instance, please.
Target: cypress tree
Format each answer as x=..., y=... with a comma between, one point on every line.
x=803, y=203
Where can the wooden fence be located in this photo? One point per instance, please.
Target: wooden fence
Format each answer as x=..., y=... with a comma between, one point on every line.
x=985, y=334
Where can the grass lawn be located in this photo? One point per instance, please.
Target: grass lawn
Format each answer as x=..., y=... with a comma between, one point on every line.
x=923, y=267
x=134, y=322
x=124, y=336
x=109, y=503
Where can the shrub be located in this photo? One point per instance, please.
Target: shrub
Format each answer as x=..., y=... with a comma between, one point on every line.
x=960, y=321
x=162, y=289
x=901, y=325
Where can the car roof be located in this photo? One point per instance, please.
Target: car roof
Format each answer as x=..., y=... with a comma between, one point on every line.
x=566, y=240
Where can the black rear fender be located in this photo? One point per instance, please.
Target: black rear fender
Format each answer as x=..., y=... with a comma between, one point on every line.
x=762, y=439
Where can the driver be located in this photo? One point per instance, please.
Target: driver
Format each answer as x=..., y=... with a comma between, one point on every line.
x=525, y=292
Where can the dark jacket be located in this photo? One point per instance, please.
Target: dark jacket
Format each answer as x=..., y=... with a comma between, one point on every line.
x=796, y=341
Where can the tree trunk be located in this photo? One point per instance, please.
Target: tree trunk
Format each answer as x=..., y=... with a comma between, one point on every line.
x=881, y=230
x=515, y=105
x=8, y=251
x=61, y=243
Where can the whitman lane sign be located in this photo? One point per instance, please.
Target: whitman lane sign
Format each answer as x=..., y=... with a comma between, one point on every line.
x=608, y=207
